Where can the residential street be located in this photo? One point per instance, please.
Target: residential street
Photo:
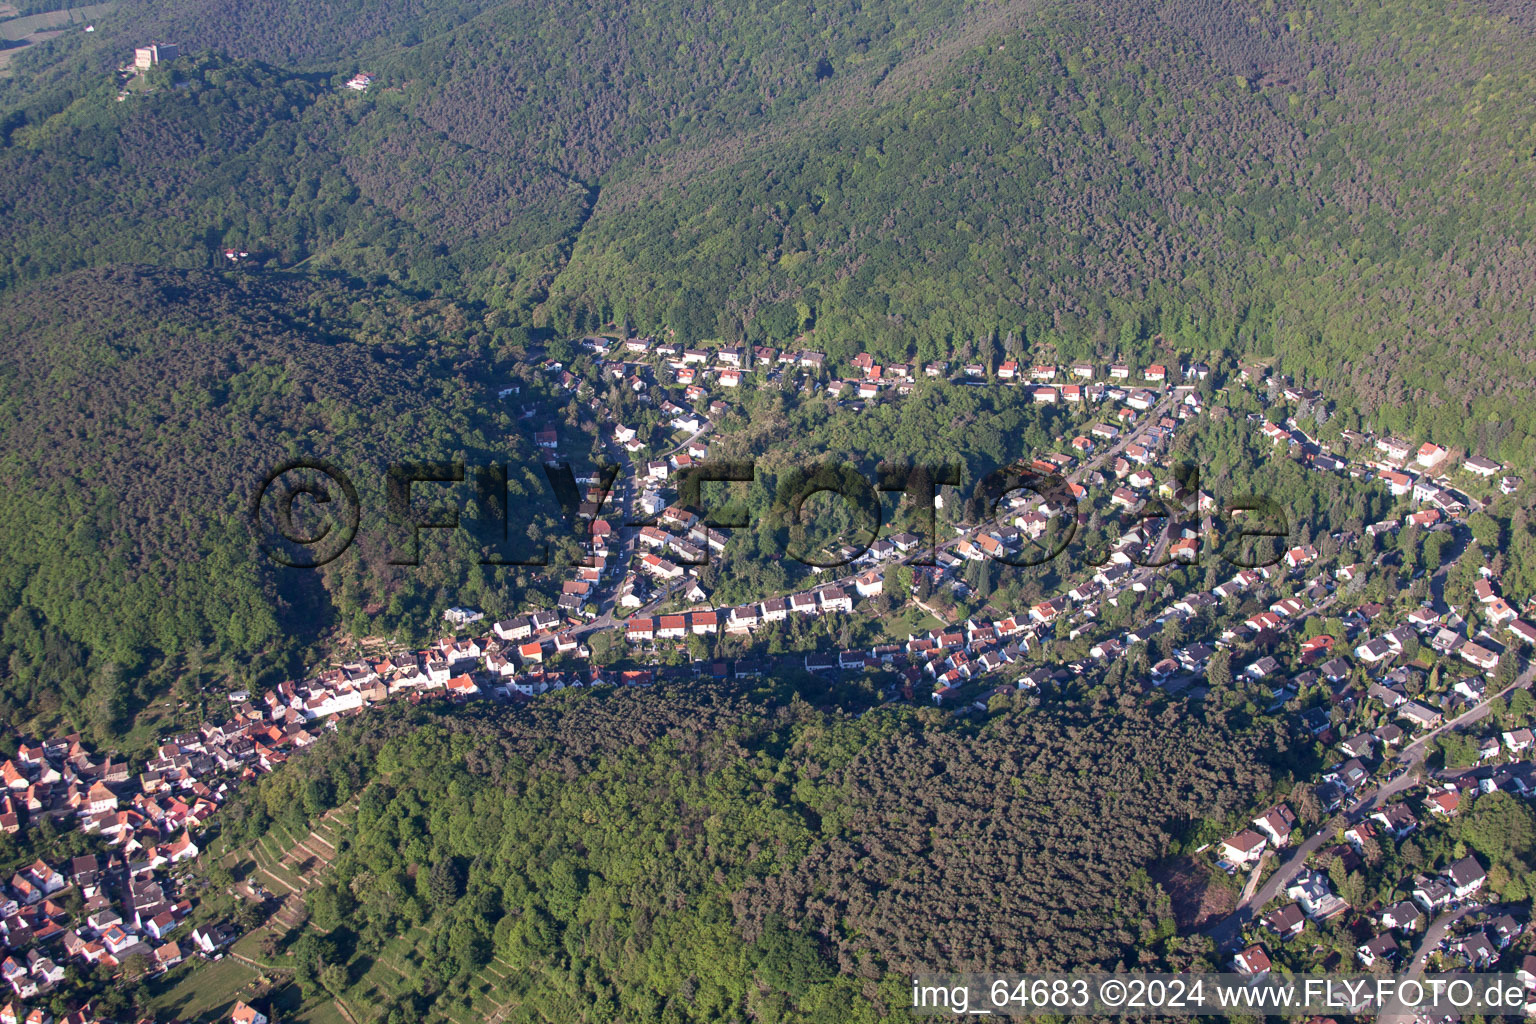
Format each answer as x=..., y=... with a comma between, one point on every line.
x=627, y=484
x=1430, y=941
x=1227, y=934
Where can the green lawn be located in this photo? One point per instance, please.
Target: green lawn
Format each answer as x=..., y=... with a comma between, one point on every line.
x=206, y=992
x=324, y=1012
x=201, y=991
x=17, y=28
x=908, y=621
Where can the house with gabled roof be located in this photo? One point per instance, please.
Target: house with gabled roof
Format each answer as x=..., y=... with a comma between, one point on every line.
x=1373, y=651
x=1242, y=849
x=1402, y=916
x=244, y=1013
x=1479, y=656
x=1359, y=745
x=1421, y=715
x=1351, y=774
x=1287, y=922
x=834, y=599
x=46, y=878
x=1481, y=466
x=1397, y=819
x=1252, y=961
x=1276, y=824
x=1430, y=455
x=1504, y=930
x=1382, y=947
x=1446, y=802
x=1465, y=876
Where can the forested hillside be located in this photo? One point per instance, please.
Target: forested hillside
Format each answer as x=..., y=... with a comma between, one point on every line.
x=1324, y=192
x=1345, y=186
x=1343, y=189
x=688, y=855
x=140, y=412
x=246, y=155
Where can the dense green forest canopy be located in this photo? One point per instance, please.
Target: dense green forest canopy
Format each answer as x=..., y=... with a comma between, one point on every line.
x=1345, y=186
x=1342, y=189
x=684, y=854
x=141, y=411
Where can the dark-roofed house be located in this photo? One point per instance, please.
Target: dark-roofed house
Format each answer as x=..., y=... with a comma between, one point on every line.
x=1432, y=894
x=1466, y=876
x=1373, y=651
x=1359, y=745
x=1388, y=695
x=1351, y=774
x=1503, y=930
x=1421, y=715
x=1397, y=819
x=1276, y=824
x=1383, y=946
x=1287, y=922
x=1403, y=916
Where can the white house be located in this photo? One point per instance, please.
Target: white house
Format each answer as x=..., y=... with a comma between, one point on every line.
x=1430, y=455
x=244, y=1013
x=1242, y=849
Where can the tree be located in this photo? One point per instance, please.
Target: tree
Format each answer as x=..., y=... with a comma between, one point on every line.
x=564, y=891
x=1500, y=827
x=135, y=968
x=1218, y=671
x=1520, y=706
x=1457, y=750
x=445, y=882
x=220, y=877
x=329, y=905
x=249, y=915
x=333, y=978
x=1350, y=885
x=1309, y=810
x=786, y=959
x=319, y=796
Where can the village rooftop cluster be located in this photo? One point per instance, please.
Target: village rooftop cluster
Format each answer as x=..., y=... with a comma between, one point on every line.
x=641, y=584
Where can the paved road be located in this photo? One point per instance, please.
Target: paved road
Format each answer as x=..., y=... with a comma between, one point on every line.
x=1396, y=1013
x=1419, y=748
x=625, y=492
x=1227, y=933
x=1433, y=936
x=608, y=620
